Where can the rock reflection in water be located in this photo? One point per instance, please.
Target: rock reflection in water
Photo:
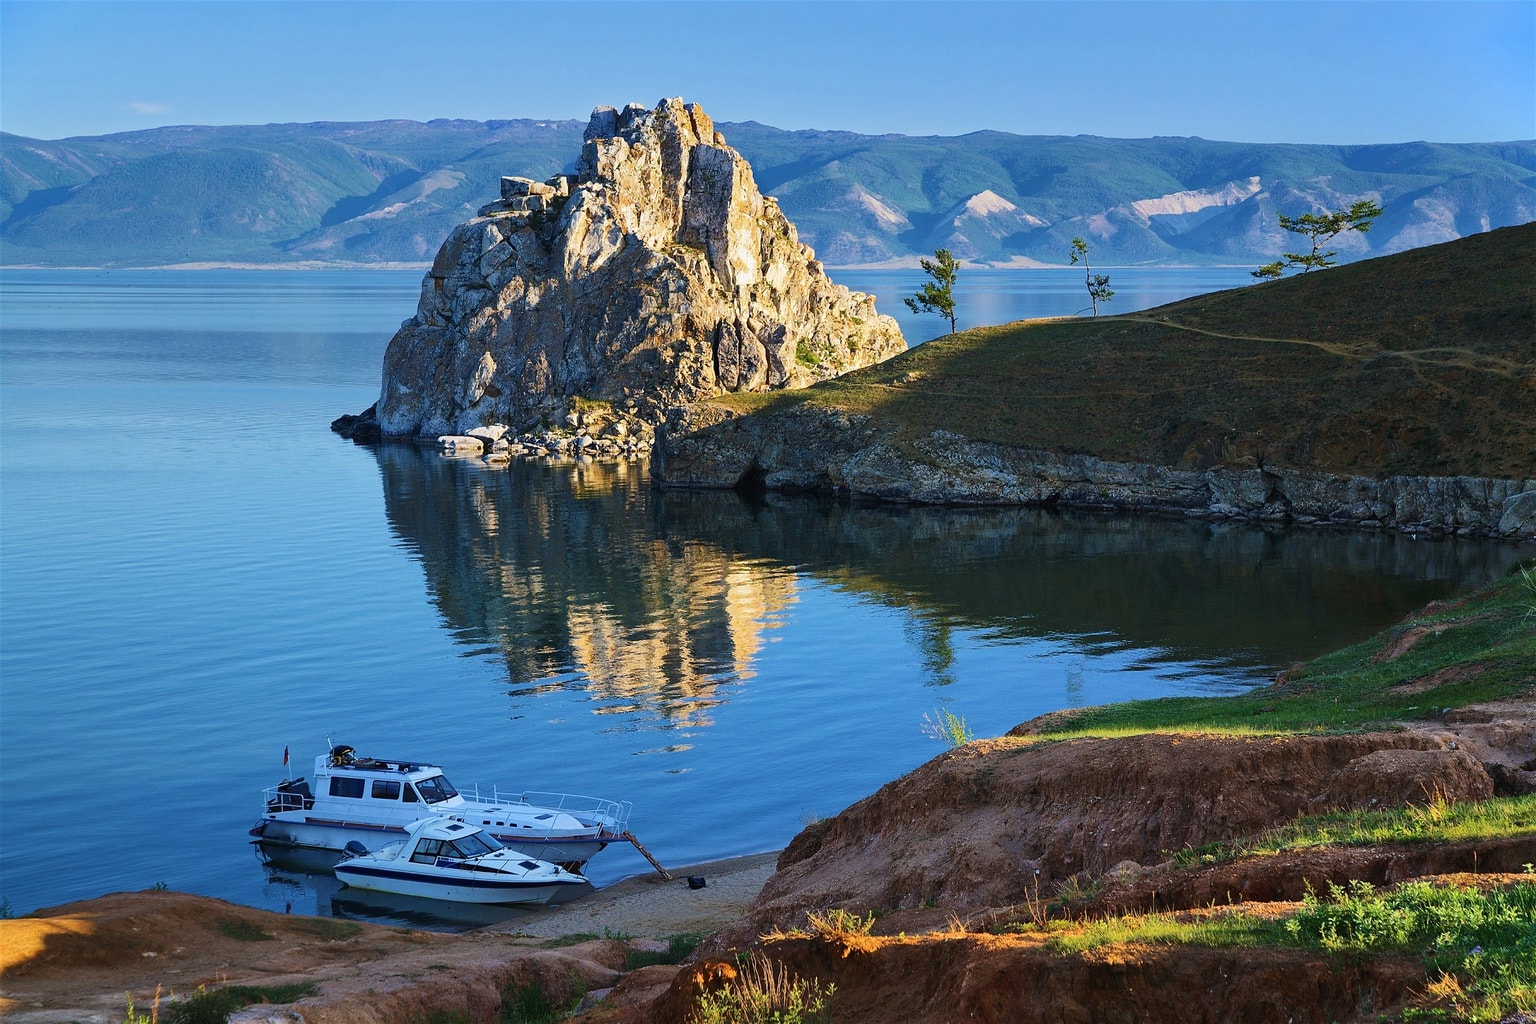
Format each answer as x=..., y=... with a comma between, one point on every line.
x=583, y=576
x=567, y=574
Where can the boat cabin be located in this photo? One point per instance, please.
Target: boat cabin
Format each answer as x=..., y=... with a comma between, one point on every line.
x=344, y=776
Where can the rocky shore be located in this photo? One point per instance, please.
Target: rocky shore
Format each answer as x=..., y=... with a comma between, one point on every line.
x=810, y=449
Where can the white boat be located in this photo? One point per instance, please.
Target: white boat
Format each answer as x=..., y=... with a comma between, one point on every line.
x=373, y=801
x=443, y=858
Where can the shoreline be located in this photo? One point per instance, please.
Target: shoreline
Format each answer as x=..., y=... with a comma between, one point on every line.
x=648, y=905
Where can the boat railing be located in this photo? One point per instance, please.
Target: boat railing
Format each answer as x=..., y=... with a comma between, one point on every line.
x=291, y=795
x=612, y=815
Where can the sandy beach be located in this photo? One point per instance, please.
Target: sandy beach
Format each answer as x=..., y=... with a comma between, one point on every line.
x=648, y=905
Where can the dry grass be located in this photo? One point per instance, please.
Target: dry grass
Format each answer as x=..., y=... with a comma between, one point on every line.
x=1419, y=363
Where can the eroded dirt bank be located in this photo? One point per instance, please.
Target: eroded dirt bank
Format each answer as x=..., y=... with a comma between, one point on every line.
x=945, y=858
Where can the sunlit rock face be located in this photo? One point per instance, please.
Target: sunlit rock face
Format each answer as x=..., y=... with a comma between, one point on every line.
x=656, y=275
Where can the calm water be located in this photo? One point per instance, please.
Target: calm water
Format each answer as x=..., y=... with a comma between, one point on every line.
x=194, y=573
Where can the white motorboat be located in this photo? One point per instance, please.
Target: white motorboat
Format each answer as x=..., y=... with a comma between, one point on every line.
x=373, y=801
x=443, y=858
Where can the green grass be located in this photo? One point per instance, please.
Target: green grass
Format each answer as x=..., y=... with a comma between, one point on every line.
x=1482, y=648
x=242, y=931
x=764, y=992
x=1482, y=944
x=1437, y=822
x=530, y=1004
x=679, y=948
x=1233, y=929
x=328, y=927
x=214, y=1005
x=1478, y=947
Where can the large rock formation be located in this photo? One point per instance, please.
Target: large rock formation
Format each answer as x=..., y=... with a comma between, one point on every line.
x=656, y=275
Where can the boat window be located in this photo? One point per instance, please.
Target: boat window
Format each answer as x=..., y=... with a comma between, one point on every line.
x=346, y=787
x=473, y=845
x=409, y=796
x=436, y=789
x=384, y=790
x=427, y=851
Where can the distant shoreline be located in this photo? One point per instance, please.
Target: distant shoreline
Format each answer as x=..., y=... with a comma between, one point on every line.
x=903, y=263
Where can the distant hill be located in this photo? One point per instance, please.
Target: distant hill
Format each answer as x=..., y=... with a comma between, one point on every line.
x=381, y=192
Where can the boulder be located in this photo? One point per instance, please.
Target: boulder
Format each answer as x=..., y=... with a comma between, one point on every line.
x=656, y=276
x=461, y=444
x=1518, y=516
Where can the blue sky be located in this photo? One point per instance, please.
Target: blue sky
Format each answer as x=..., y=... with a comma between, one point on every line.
x=1337, y=71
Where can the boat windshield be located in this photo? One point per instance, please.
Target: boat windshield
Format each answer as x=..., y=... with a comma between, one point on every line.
x=476, y=844
x=436, y=789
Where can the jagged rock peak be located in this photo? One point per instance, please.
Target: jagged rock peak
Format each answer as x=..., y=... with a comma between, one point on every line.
x=656, y=275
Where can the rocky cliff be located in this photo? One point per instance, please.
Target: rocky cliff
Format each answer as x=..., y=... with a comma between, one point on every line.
x=657, y=274
x=856, y=456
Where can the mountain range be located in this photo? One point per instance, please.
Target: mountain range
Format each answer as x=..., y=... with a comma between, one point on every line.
x=388, y=192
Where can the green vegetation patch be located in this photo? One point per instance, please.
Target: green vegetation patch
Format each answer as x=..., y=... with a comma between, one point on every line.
x=1224, y=930
x=243, y=931
x=530, y=1004
x=764, y=991
x=1482, y=944
x=679, y=948
x=1479, y=649
x=1439, y=821
x=215, y=1005
x=328, y=927
x=1479, y=946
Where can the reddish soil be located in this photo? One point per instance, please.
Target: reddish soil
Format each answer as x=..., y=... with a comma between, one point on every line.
x=952, y=850
x=80, y=961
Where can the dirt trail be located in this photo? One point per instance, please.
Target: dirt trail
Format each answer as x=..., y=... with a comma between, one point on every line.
x=1464, y=358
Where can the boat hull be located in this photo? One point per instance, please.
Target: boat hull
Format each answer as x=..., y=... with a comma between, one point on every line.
x=569, y=852
x=468, y=890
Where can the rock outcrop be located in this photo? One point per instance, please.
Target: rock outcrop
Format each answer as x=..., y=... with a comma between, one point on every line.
x=827, y=450
x=656, y=275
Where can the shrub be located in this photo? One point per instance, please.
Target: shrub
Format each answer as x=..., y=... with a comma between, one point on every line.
x=947, y=727
x=1482, y=943
x=764, y=992
x=840, y=922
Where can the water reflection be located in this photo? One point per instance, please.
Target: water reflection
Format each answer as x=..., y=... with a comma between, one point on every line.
x=583, y=577
x=568, y=576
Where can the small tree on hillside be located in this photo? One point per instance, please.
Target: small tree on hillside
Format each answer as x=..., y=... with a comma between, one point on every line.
x=1321, y=228
x=1097, y=284
x=938, y=295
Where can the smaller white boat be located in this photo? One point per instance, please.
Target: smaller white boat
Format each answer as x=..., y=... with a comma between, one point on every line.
x=442, y=858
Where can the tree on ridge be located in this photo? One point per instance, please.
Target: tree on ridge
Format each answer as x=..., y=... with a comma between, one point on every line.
x=1321, y=228
x=1097, y=284
x=938, y=295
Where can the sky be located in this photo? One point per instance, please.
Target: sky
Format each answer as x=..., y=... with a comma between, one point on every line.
x=1334, y=71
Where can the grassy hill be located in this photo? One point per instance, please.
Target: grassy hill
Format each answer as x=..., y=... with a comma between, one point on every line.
x=1418, y=363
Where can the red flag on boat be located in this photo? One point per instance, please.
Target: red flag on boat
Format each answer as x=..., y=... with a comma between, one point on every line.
x=285, y=757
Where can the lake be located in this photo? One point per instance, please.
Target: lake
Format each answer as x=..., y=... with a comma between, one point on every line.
x=195, y=574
